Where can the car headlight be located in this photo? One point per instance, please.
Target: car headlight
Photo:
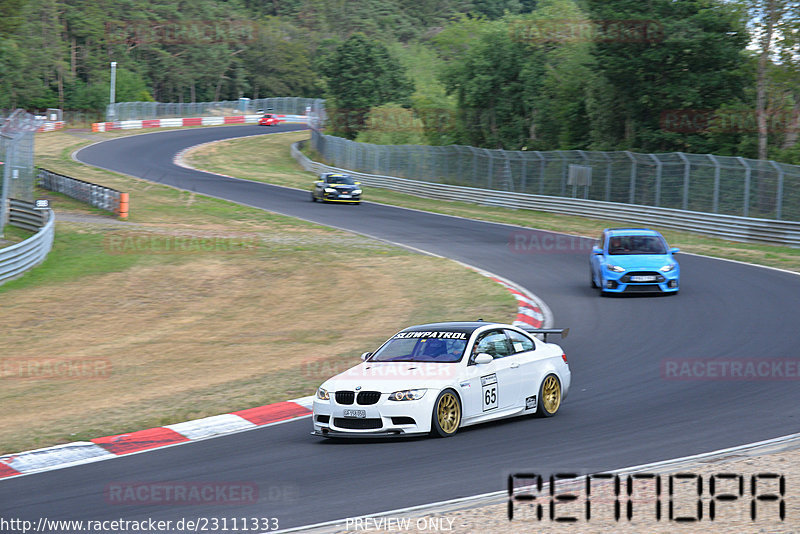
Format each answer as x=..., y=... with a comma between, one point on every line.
x=407, y=395
x=330, y=190
x=322, y=394
x=615, y=268
x=356, y=191
x=667, y=268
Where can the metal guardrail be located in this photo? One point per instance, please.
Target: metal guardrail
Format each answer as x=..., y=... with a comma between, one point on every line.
x=731, y=227
x=23, y=215
x=21, y=257
x=95, y=195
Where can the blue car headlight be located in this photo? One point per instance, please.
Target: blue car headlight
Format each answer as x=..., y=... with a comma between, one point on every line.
x=615, y=268
x=668, y=268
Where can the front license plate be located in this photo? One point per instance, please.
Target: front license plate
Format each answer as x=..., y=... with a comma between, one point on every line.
x=344, y=196
x=643, y=278
x=361, y=414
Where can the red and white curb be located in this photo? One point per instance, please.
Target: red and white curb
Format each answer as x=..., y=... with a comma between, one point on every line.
x=192, y=121
x=531, y=310
x=108, y=447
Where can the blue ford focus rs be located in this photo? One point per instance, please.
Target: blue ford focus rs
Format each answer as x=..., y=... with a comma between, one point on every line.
x=634, y=260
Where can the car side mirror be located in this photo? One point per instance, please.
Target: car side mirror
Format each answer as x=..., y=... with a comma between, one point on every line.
x=597, y=250
x=483, y=358
x=366, y=355
x=673, y=250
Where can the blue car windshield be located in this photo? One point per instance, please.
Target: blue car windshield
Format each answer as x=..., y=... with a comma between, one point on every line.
x=420, y=350
x=636, y=244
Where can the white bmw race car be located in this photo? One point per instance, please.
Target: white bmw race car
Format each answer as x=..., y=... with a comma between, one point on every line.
x=436, y=378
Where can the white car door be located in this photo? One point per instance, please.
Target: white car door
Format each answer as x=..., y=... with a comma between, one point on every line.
x=492, y=388
x=529, y=362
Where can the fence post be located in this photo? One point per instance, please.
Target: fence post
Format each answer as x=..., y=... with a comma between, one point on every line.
x=715, y=197
x=564, y=171
x=586, y=188
x=632, y=188
x=686, y=171
x=542, y=170
x=747, y=172
x=490, y=169
x=474, y=166
x=779, y=192
x=608, y=175
x=659, y=168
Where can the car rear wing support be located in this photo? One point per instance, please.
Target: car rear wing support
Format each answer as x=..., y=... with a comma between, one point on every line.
x=563, y=332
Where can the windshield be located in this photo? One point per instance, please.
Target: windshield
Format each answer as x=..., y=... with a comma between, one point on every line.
x=636, y=244
x=340, y=180
x=422, y=349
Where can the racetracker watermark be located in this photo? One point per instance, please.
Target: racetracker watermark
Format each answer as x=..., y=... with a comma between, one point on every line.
x=535, y=242
x=172, y=32
x=731, y=369
x=147, y=243
x=562, y=31
x=728, y=121
x=181, y=493
x=46, y=368
x=322, y=370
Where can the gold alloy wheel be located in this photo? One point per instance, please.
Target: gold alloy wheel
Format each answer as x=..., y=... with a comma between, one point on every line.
x=551, y=394
x=448, y=413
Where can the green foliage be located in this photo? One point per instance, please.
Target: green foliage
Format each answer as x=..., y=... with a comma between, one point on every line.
x=391, y=124
x=362, y=74
x=491, y=73
x=691, y=61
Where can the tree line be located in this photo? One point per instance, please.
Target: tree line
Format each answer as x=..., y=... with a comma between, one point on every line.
x=704, y=76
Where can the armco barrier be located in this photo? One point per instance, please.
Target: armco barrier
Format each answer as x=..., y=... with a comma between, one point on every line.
x=730, y=227
x=18, y=258
x=192, y=121
x=98, y=196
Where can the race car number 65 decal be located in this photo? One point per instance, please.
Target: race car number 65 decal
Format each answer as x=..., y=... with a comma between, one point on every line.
x=489, y=390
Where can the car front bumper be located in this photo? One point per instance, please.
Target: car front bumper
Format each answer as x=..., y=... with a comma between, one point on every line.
x=384, y=419
x=626, y=282
x=335, y=197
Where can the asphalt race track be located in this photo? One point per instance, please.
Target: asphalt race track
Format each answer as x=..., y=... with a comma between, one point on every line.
x=621, y=410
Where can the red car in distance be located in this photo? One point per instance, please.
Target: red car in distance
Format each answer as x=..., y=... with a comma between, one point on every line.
x=268, y=120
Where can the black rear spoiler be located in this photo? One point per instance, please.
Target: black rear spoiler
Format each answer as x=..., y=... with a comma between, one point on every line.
x=563, y=332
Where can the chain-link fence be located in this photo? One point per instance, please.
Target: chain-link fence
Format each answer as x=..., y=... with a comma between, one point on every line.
x=124, y=111
x=695, y=182
x=16, y=157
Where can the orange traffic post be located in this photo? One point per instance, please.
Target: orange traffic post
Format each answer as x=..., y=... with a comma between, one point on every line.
x=123, y=205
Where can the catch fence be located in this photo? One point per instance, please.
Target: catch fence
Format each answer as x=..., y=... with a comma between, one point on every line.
x=691, y=182
x=16, y=160
x=124, y=111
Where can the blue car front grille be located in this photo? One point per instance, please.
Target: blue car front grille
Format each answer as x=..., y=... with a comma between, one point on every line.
x=626, y=279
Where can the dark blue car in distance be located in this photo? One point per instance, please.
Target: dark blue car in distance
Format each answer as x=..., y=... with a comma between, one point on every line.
x=634, y=260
